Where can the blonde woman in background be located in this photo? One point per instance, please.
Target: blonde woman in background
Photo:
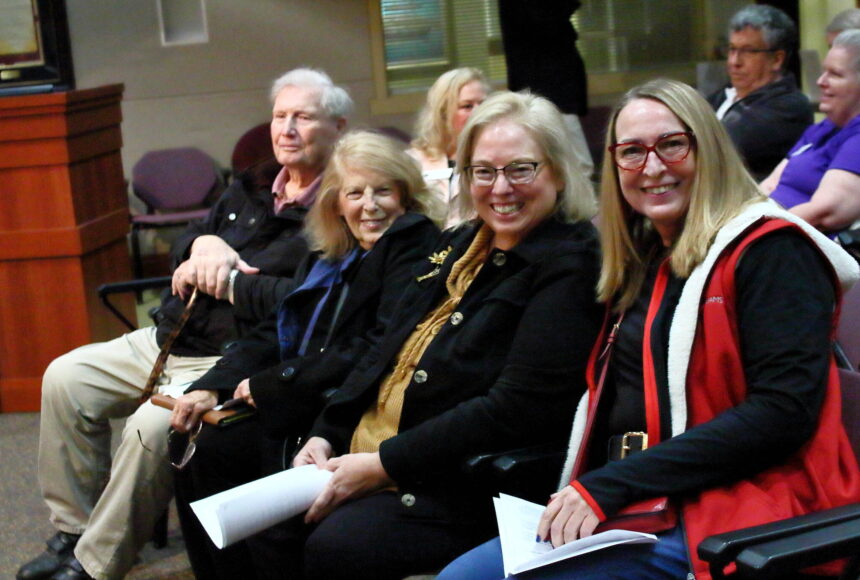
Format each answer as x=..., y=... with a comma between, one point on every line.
x=450, y=102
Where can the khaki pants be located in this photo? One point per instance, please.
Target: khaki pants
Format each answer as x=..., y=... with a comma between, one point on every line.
x=115, y=506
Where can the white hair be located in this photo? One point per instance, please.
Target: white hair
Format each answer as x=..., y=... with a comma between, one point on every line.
x=334, y=100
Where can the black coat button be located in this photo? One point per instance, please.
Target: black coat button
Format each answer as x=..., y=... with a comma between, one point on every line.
x=288, y=373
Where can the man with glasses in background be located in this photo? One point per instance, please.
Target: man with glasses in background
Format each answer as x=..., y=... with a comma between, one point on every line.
x=762, y=108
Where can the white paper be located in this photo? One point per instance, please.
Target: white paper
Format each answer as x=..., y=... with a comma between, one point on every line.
x=518, y=522
x=174, y=390
x=235, y=514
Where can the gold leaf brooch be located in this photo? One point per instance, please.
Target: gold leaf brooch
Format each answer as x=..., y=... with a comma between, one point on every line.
x=437, y=258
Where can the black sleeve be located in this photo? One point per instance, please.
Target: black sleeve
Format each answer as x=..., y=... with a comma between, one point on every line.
x=785, y=303
x=250, y=354
x=181, y=247
x=255, y=296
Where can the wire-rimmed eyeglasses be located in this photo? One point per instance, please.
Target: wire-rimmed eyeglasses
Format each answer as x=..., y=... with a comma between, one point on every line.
x=179, y=454
x=671, y=148
x=517, y=173
x=744, y=51
x=180, y=461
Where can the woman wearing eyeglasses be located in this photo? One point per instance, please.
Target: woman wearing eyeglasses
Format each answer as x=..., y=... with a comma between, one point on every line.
x=720, y=391
x=486, y=352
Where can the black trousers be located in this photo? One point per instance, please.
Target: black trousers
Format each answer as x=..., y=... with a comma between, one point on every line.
x=375, y=538
x=224, y=458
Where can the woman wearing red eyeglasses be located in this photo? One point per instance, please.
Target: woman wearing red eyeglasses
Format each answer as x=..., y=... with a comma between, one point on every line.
x=719, y=390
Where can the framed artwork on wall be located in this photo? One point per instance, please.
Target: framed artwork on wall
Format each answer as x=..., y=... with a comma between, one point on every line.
x=35, y=52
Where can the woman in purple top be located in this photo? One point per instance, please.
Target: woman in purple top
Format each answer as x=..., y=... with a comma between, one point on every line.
x=819, y=180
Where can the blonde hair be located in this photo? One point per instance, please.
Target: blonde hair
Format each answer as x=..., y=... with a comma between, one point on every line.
x=361, y=151
x=434, y=127
x=721, y=188
x=543, y=121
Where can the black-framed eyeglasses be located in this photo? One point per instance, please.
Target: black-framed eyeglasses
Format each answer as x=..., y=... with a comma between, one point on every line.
x=744, y=51
x=517, y=173
x=672, y=148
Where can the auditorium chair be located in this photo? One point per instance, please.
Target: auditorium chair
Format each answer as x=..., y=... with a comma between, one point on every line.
x=175, y=185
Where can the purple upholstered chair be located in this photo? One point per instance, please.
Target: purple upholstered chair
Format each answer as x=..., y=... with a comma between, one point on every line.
x=174, y=184
x=253, y=147
x=848, y=333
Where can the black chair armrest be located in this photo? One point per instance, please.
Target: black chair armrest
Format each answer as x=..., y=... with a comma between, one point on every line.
x=786, y=556
x=529, y=472
x=514, y=460
x=107, y=290
x=722, y=549
x=133, y=285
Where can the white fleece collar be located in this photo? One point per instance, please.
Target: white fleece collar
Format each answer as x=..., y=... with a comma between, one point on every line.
x=685, y=320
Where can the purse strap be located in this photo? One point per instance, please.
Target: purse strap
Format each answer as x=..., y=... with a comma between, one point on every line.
x=158, y=367
x=603, y=358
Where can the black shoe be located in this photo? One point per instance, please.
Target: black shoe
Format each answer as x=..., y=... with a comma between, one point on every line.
x=71, y=570
x=60, y=547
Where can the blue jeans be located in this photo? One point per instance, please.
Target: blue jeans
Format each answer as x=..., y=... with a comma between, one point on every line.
x=667, y=559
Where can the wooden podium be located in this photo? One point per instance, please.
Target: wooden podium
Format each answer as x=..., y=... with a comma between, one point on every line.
x=63, y=226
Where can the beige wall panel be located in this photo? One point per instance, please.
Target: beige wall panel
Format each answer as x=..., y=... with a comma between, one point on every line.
x=208, y=94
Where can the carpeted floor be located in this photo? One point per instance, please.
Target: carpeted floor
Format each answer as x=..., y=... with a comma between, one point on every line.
x=24, y=522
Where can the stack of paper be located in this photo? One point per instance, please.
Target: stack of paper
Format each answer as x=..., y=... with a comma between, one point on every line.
x=518, y=522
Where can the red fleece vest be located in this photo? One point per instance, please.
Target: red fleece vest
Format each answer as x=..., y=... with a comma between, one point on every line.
x=822, y=475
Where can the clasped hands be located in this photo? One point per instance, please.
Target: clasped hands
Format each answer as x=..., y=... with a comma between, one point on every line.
x=355, y=475
x=208, y=267
x=567, y=517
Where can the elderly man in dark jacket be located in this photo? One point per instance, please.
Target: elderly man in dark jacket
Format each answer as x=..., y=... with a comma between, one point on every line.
x=762, y=109
x=105, y=512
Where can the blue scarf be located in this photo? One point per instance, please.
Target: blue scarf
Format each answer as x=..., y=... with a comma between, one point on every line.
x=325, y=274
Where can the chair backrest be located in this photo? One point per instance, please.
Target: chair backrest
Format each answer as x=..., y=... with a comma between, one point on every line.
x=170, y=179
x=711, y=76
x=850, y=385
x=253, y=147
x=848, y=331
x=810, y=66
x=594, y=127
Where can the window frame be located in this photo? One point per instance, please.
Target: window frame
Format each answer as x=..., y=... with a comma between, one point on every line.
x=603, y=88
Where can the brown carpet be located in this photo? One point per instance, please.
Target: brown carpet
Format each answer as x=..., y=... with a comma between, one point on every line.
x=24, y=525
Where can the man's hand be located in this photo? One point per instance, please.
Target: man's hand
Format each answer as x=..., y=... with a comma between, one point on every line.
x=243, y=391
x=189, y=409
x=568, y=517
x=208, y=267
x=356, y=475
